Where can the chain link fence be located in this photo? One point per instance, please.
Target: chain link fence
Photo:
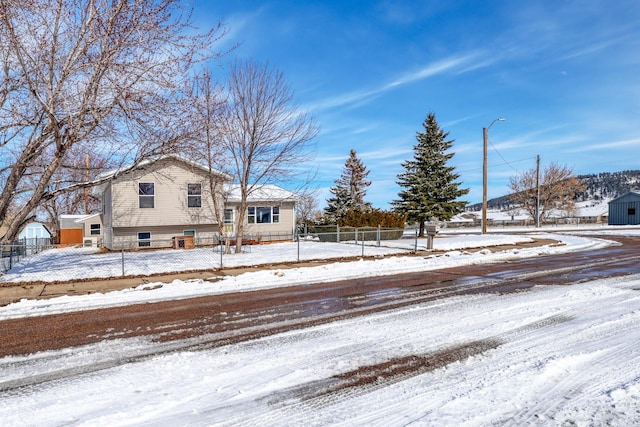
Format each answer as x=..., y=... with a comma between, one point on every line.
x=50, y=263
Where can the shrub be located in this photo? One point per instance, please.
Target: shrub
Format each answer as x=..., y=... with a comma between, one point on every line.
x=365, y=224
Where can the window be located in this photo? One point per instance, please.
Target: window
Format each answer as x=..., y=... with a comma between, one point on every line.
x=194, y=195
x=144, y=239
x=95, y=229
x=146, y=195
x=263, y=214
x=228, y=220
x=191, y=233
x=228, y=216
x=631, y=211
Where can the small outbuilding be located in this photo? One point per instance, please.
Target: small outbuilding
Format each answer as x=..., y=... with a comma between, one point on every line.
x=71, y=231
x=35, y=233
x=625, y=210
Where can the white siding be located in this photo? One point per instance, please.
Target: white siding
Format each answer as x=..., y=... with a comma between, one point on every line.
x=170, y=180
x=283, y=229
x=161, y=237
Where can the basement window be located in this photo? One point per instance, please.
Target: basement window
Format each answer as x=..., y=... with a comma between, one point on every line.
x=144, y=239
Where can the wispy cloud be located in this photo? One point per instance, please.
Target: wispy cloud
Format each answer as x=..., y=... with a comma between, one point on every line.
x=608, y=145
x=455, y=64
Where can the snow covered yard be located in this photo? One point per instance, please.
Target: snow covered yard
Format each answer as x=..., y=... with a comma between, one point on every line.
x=81, y=263
x=553, y=355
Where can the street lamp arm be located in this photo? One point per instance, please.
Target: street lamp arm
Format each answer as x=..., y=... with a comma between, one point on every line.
x=499, y=119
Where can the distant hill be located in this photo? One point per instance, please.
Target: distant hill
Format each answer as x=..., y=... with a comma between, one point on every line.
x=600, y=186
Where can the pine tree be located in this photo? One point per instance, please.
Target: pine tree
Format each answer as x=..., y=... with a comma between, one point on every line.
x=350, y=189
x=429, y=185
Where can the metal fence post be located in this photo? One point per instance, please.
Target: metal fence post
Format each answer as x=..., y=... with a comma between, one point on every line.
x=122, y=251
x=223, y=246
x=415, y=247
x=363, y=243
x=337, y=233
x=298, y=239
x=378, y=235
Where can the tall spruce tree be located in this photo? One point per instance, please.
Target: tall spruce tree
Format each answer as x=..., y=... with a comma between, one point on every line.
x=350, y=189
x=429, y=185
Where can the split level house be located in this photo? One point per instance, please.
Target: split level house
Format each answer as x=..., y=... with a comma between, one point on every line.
x=169, y=197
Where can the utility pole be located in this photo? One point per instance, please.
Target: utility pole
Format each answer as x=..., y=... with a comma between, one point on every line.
x=538, y=191
x=485, y=167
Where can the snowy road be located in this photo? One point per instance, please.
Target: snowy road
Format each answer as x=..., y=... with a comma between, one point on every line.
x=550, y=355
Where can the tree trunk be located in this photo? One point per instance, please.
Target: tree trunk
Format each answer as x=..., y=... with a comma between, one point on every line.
x=242, y=209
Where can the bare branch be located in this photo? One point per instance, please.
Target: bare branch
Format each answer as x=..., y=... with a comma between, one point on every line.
x=558, y=190
x=97, y=75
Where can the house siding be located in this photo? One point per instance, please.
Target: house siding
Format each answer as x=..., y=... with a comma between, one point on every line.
x=161, y=236
x=87, y=223
x=283, y=229
x=107, y=214
x=170, y=215
x=170, y=199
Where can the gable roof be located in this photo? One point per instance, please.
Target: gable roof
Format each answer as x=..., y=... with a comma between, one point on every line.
x=262, y=193
x=176, y=157
x=632, y=195
x=35, y=224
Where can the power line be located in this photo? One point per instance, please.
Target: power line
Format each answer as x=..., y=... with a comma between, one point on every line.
x=500, y=164
x=503, y=159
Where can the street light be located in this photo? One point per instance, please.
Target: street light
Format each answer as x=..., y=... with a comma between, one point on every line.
x=485, y=138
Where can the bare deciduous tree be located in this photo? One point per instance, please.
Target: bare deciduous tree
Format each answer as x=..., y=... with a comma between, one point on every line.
x=208, y=102
x=77, y=167
x=100, y=72
x=307, y=209
x=263, y=131
x=558, y=190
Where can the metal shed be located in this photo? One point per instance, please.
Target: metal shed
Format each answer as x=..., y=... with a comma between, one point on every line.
x=625, y=210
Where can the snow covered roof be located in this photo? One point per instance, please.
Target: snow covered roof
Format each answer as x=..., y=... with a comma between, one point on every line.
x=262, y=193
x=86, y=217
x=113, y=173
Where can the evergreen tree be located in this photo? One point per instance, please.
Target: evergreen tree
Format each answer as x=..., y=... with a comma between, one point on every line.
x=429, y=185
x=350, y=189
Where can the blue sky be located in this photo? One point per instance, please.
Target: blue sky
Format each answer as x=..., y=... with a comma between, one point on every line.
x=564, y=74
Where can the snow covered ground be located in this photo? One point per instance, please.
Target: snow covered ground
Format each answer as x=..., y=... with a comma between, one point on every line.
x=79, y=263
x=549, y=356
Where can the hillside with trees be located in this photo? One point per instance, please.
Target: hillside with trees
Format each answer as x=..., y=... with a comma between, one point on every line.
x=599, y=186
